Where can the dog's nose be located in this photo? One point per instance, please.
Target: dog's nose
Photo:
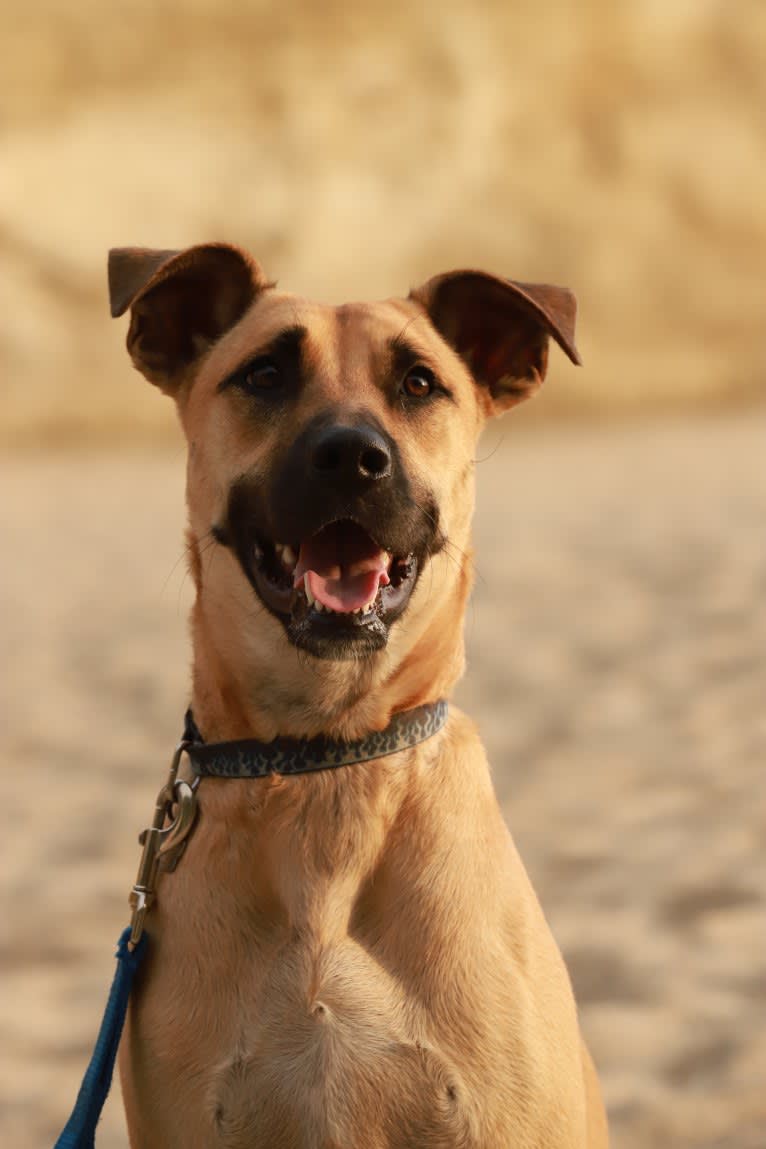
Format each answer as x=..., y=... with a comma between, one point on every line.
x=350, y=455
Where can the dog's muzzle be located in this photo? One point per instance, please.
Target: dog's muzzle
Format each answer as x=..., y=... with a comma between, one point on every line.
x=333, y=545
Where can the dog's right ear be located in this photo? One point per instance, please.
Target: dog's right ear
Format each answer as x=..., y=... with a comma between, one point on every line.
x=181, y=302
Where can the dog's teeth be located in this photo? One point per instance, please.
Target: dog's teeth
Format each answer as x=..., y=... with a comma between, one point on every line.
x=307, y=590
x=289, y=557
x=257, y=552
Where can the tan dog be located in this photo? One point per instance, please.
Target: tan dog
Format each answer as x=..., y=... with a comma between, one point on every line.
x=352, y=959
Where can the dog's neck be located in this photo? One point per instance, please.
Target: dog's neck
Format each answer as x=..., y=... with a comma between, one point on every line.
x=236, y=694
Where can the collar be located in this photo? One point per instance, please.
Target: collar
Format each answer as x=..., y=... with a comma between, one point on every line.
x=249, y=758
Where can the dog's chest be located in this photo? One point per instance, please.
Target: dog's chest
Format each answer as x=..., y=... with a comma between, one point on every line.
x=301, y=1035
x=334, y=1056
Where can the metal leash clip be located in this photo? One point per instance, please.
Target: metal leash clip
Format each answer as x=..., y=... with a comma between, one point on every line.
x=162, y=845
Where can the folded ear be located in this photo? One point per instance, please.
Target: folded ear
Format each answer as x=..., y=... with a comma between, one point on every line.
x=181, y=302
x=501, y=329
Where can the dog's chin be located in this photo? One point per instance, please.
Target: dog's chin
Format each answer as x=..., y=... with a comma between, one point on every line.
x=345, y=637
x=339, y=635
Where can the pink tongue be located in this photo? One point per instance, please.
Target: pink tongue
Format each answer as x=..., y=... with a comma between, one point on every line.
x=347, y=593
x=343, y=572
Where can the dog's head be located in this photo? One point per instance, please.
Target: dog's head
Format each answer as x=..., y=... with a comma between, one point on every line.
x=331, y=449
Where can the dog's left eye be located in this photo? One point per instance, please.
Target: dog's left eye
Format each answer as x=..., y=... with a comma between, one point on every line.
x=260, y=375
x=419, y=383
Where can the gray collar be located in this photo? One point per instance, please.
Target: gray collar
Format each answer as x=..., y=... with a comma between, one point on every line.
x=249, y=758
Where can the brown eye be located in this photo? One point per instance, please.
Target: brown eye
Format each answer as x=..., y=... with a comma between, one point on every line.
x=262, y=375
x=418, y=383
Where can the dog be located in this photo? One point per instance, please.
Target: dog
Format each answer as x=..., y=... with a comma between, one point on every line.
x=352, y=958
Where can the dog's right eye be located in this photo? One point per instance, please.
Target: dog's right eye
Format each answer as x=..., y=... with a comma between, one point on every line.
x=260, y=375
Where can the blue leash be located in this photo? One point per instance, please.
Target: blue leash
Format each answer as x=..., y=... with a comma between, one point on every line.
x=161, y=842
x=80, y=1130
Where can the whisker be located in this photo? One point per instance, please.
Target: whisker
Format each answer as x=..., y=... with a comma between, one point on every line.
x=496, y=448
x=184, y=554
x=448, y=546
x=209, y=546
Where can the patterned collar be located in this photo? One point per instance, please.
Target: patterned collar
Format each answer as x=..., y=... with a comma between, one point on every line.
x=249, y=758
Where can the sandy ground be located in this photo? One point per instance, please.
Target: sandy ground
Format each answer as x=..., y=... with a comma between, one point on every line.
x=617, y=671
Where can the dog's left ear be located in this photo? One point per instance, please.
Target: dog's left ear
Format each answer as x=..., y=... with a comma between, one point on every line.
x=501, y=329
x=180, y=302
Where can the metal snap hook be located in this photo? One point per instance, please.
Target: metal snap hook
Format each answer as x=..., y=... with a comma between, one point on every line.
x=161, y=843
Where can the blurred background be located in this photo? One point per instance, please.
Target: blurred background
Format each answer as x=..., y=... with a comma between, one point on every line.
x=617, y=631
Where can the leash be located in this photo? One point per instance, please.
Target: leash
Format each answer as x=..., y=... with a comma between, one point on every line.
x=80, y=1130
x=161, y=844
x=164, y=841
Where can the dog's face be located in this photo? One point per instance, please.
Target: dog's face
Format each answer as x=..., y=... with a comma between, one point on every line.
x=331, y=448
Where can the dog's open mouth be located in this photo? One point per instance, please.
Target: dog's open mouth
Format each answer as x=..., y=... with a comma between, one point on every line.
x=337, y=591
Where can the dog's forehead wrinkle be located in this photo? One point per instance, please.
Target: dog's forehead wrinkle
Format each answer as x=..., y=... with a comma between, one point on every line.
x=347, y=349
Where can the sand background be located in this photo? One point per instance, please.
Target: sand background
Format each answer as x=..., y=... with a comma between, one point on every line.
x=616, y=634
x=618, y=148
